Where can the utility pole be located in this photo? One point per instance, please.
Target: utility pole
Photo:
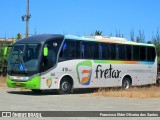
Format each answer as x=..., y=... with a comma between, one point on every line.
x=26, y=18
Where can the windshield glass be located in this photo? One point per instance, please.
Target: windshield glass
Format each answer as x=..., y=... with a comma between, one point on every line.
x=24, y=58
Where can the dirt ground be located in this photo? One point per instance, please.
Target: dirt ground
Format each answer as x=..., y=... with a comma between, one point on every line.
x=2, y=81
x=134, y=92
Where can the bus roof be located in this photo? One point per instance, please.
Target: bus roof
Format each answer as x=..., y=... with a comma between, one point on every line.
x=44, y=37
x=106, y=39
x=40, y=38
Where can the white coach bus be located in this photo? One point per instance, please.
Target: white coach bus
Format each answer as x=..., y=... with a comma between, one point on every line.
x=66, y=62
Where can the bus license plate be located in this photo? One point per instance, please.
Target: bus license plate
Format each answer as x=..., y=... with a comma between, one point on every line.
x=18, y=84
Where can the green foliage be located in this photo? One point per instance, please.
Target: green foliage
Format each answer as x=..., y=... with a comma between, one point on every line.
x=158, y=60
x=132, y=35
x=156, y=38
x=156, y=41
x=140, y=37
x=18, y=37
x=4, y=58
x=99, y=33
x=119, y=34
x=158, y=50
x=137, y=39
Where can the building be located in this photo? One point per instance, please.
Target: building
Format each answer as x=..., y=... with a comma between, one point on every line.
x=7, y=40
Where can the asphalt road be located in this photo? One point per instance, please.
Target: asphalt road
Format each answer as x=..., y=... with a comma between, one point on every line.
x=15, y=100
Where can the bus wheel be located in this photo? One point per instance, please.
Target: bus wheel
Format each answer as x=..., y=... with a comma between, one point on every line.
x=4, y=74
x=65, y=87
x=126, y=83
x=36, y=91
x=158, y=82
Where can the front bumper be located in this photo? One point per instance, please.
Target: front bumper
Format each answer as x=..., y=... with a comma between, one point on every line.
x=33, y=83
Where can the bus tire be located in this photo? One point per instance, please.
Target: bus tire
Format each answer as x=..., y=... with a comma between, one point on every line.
x=36, y=91
x=126, y=83
x=65, y=86
x=4, y=74
x=158, y=82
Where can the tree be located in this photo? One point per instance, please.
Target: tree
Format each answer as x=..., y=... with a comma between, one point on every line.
x=156, y=41
x=99, y=33
x=119, y=34
x=137, y=39
x=18, y=37
x=156, y=38
x=132, y=35
x=140, y=37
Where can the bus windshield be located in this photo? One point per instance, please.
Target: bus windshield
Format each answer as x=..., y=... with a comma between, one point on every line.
x=24, y=58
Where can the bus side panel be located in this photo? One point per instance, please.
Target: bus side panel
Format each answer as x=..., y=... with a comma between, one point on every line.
x=101, y=73
x=141, y=74
x=81, y=71
x=51, y=80
x=107, y=73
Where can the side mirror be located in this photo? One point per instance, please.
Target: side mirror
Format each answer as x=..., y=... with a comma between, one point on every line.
x=5, y=51
x=45, y=51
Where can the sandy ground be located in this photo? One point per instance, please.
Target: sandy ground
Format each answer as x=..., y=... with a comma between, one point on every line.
x=2, y=82
x=143, y=92
x=27, y=101
x=21, y=100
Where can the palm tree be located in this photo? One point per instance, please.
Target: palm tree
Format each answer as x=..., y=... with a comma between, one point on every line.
x=19, y=36
x=99, y=33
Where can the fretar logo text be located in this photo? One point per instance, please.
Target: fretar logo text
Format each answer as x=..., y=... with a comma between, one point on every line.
x=107, y=73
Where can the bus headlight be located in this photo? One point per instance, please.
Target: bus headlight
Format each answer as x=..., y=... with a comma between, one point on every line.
x=19, y=78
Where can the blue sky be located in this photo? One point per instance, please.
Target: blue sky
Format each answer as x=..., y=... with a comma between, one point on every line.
x=81, y=17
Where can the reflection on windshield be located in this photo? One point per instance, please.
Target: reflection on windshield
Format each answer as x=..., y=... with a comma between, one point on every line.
x=26, y=56
x=17, y=51
x=31, y=56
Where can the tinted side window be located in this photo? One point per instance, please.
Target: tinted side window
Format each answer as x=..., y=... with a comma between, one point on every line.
x=121, y=52
x=135, y=52
x=129, y=52
x=96, y=50
x=113, y=51
x=68, y=50
x=87, y=50
x=151, y=54
x=78, y=49
x=105, y=51
x=142, y=53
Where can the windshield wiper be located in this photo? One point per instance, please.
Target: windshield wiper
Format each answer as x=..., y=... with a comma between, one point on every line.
x=14, y=64
x=20, y=62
